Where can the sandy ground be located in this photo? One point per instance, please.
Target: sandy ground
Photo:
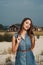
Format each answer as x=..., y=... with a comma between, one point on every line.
x=37, y=49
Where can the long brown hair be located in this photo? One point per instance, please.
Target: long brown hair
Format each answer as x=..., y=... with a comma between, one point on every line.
x=29, y=31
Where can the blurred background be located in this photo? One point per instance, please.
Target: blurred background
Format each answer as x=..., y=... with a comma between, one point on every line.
x=12, y=13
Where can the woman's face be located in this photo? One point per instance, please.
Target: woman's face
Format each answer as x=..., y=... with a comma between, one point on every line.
x=27, y=25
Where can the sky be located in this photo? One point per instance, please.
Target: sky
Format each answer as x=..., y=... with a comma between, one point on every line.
x=13, y=11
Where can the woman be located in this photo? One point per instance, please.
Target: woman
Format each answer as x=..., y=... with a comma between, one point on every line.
x=23, y=42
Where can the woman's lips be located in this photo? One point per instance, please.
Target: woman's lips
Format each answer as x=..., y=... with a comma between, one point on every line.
x=27, y=27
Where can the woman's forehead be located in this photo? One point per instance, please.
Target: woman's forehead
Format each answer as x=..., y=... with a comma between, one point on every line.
x=28, y=21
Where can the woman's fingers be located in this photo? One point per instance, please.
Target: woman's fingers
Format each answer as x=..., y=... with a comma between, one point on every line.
x=19, y=39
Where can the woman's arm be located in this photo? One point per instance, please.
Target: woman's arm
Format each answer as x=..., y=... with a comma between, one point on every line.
x=14, y=45
x=32, y=37
x=33, y=41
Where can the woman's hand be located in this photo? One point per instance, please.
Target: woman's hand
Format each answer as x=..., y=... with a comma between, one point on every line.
x=15, y=43
x=18, y=39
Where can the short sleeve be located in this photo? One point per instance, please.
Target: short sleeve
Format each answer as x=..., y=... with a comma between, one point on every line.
x=15, y=35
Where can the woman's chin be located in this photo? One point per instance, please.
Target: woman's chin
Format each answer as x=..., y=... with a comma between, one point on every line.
x=26, y=29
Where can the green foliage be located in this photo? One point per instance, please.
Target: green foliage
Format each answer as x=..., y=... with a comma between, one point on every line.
x=42, y=52
x=38, y=36
x=6, y=37
x=1, y=38
x=1, y=27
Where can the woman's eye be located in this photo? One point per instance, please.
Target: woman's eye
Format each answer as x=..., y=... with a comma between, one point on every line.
x=26, y=22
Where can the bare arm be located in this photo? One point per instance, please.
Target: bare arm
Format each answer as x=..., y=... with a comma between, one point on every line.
x=15, y=44
x=32, y=41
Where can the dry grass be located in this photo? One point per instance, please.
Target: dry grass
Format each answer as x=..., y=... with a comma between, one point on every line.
x=2, y=33
x=38, y=33
x=35, y=32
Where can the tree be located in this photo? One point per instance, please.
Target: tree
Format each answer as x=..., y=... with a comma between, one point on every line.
x=1, y=27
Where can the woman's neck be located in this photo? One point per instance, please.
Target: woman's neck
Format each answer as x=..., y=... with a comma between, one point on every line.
x=23, y=32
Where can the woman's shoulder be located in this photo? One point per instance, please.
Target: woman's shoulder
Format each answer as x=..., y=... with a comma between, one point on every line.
x=15, y=34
